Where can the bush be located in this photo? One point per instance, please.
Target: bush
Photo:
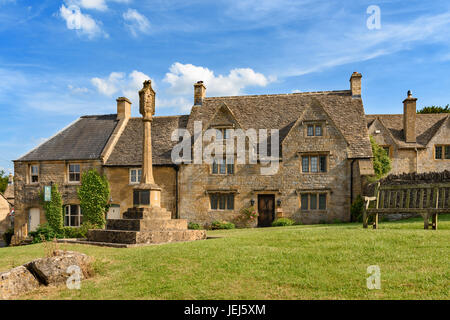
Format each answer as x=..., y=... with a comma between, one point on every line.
x=94, y=197
x=53, y=209
x=381, y=160
x=357, y=209
x=46, y=232
x=8, y=235
x=221, y=225
x=194, y=226
x=283, y=222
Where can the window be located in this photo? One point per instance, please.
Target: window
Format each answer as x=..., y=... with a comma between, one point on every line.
x=442, y=152
x=313, y=201
x=225, y=133
x=72, y=215
x=314, y=130
x=135, y=175
x=222, y=166
x=314, y=164
x=222, y=201
x=74, y=173
x=34, y=173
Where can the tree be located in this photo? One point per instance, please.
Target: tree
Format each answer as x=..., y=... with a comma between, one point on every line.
x=53, y=209
x=435, y=109
x=381, y=161
x=94, y=198
x=3, y=181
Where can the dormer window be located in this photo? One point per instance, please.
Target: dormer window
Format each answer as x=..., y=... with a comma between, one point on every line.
x=314, y=130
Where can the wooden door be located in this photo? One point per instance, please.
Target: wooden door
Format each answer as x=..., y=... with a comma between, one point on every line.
x=266, y=209
x=34, y=219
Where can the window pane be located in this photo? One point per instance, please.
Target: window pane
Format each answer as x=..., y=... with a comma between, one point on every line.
x=139, y=175
x=314, y=164
x=214, y=167
x=74, y=168
x=230, y=168
x=323, y=163
x=322, y=201
x=230, y=202
x=66, y=221
x=318, y=130
x=222, y=167
x=34, y=170
x=226, y=134
x=447, y=152
x=73, y=221
x=222, y=202
x=34, y=179
x=305, y=164
x=214, y=202
x=310, y=130
x=438, y=152
x=133, y=176
x=304, y=202
x=313, y=203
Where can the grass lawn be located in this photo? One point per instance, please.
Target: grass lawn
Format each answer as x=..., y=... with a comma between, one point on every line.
x=300, y=262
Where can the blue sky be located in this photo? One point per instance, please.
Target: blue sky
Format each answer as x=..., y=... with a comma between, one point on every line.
x=62, y=59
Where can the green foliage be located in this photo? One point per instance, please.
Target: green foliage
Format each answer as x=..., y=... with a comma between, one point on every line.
x=434, y=109
x=53, y=209
x=3, y=181
x=194, y=226
x=283, y=222
x=220, y=225
x=8, y=235
x=94, y=197
x=381, y=161
x=46, y=232
x=78, y=232
x=247, y=216
x=357, y=209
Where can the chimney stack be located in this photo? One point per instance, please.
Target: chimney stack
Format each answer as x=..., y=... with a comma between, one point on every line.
x=409, y=118
x=355, y=84
x=123, y=108
x=199, y=93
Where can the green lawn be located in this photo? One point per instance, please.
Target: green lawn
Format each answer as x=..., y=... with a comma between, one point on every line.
x=300, y=262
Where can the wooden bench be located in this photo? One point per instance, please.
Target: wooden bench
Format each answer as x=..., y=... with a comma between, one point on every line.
x=428, y=200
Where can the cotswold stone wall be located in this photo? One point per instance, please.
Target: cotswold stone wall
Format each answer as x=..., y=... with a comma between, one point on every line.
x=27, y=194
x=286, y=185
x=426, y=162
x=122, y=189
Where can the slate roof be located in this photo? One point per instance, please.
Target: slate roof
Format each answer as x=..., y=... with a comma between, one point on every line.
x=282, y=111
x=427, y=126
x=128, y=149
x=83, y=140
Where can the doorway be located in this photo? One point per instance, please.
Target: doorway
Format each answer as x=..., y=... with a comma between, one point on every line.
x=266, y=210
x=114, y=212
x=34, y=219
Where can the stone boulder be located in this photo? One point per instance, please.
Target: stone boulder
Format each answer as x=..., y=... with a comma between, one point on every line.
x=54, y=270
x=16, y=281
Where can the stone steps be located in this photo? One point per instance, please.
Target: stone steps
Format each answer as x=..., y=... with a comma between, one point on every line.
x=147, y=213
x=145, y=224
x=145, y=237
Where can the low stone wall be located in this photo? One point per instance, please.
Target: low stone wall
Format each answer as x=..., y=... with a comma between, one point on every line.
x=45, y=271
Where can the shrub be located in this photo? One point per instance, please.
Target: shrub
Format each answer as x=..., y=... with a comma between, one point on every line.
x=53, y=209
x=283, y=222
x=381, y=160
x=220, y=225
x=194, y=226
x=46, y=232
x=94, y=197
x=357, y=209
x=8, y=235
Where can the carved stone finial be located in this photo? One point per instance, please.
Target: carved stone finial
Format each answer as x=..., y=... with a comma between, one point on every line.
x=147, y=100
x=409, y=94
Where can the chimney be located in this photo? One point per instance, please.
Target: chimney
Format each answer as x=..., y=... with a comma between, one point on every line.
x=11, y=179
x=199, y=93
x=355, y=84
x=409, y=118
x=123, y=108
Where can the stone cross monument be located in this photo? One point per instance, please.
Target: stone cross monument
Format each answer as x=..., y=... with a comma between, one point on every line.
x=147, y=193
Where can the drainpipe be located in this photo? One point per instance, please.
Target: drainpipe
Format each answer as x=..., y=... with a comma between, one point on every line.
x=351, y=185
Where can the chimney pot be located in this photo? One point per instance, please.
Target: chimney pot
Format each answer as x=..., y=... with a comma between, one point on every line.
x=123, y=108
x=355, y=84
x=199, y=93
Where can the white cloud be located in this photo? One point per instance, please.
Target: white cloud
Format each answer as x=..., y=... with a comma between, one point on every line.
x=77, y=90
x=118, y=83
x=82, y=23
x=183, y=76
x=136, y=22
x=100, y=5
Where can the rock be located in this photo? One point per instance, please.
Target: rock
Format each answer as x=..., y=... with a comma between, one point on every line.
x=54, y=270
x=16, y=281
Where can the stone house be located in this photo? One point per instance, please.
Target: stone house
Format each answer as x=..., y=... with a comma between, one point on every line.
x=324, y=156
x=6, y=206
x=415, y=142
